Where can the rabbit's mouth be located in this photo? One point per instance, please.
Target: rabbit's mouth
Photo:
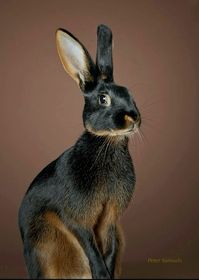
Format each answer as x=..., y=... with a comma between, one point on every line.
x=113, y=132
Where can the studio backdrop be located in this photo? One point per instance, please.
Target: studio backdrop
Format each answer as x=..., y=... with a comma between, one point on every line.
x=155, y=55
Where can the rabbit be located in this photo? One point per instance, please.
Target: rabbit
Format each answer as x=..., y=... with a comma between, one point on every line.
x=69, y=216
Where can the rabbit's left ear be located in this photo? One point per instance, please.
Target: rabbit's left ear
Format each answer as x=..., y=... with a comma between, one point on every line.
x=75, y=59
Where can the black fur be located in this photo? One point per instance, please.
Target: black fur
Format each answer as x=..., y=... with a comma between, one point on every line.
x=110, y=256
x=104, y=61
x=86, y=172
x=106, y=118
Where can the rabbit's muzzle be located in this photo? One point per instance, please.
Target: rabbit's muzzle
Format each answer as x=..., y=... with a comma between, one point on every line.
x=127, y=120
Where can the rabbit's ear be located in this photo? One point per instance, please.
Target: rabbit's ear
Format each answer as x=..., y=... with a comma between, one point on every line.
x=104, y=59
x=75, y=59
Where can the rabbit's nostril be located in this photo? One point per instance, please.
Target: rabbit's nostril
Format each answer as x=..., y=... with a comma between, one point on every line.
x=129, y=122
x=128, y=119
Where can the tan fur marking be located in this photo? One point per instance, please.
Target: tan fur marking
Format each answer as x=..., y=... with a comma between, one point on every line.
x=89, y=220
x=60, y=254
x=103, y=77
x=118, y=266
x=107, y=218
x=110, y=133
x=128, y=119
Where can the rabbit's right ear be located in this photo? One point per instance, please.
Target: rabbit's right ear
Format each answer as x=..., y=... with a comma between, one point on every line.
x=104, y=60
x=76, y=60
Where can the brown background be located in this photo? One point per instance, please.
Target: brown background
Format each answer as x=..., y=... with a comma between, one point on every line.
x=156, y=45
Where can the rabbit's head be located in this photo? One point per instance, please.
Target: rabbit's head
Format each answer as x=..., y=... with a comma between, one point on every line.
x=109, y=108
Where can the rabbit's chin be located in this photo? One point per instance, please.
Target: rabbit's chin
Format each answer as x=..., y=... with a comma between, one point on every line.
x=126, y=132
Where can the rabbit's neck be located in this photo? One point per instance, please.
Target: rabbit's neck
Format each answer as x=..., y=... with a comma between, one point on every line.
x=91, y=152
x=95, y=147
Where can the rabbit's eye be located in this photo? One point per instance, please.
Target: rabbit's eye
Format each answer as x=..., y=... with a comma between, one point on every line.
x=105, y=100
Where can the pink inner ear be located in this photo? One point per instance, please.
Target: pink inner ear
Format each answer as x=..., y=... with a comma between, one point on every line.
x=72, y=56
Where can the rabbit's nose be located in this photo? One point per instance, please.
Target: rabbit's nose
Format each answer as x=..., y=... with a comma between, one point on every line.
x=132, y=118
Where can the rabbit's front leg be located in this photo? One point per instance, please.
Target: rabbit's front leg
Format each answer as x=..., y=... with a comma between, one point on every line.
x=112, y=256
x=87, y=240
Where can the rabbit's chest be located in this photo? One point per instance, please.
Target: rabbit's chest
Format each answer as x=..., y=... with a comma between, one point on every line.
x=104, y=193
x=116, y=184
x=108, y=203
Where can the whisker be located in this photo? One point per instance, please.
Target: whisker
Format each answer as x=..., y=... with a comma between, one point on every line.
x=145, y=112
x=140, y=137
x=148, y=123
x=147, y=118
x=137, y=139
x=144, y=136
x=100, y=150
x=106, y=150
x=134, y=143
x=149, y=104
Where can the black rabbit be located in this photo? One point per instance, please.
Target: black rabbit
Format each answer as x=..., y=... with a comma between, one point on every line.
x=69, y=216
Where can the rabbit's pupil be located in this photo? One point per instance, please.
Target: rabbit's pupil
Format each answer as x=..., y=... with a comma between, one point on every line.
x=104, y=99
